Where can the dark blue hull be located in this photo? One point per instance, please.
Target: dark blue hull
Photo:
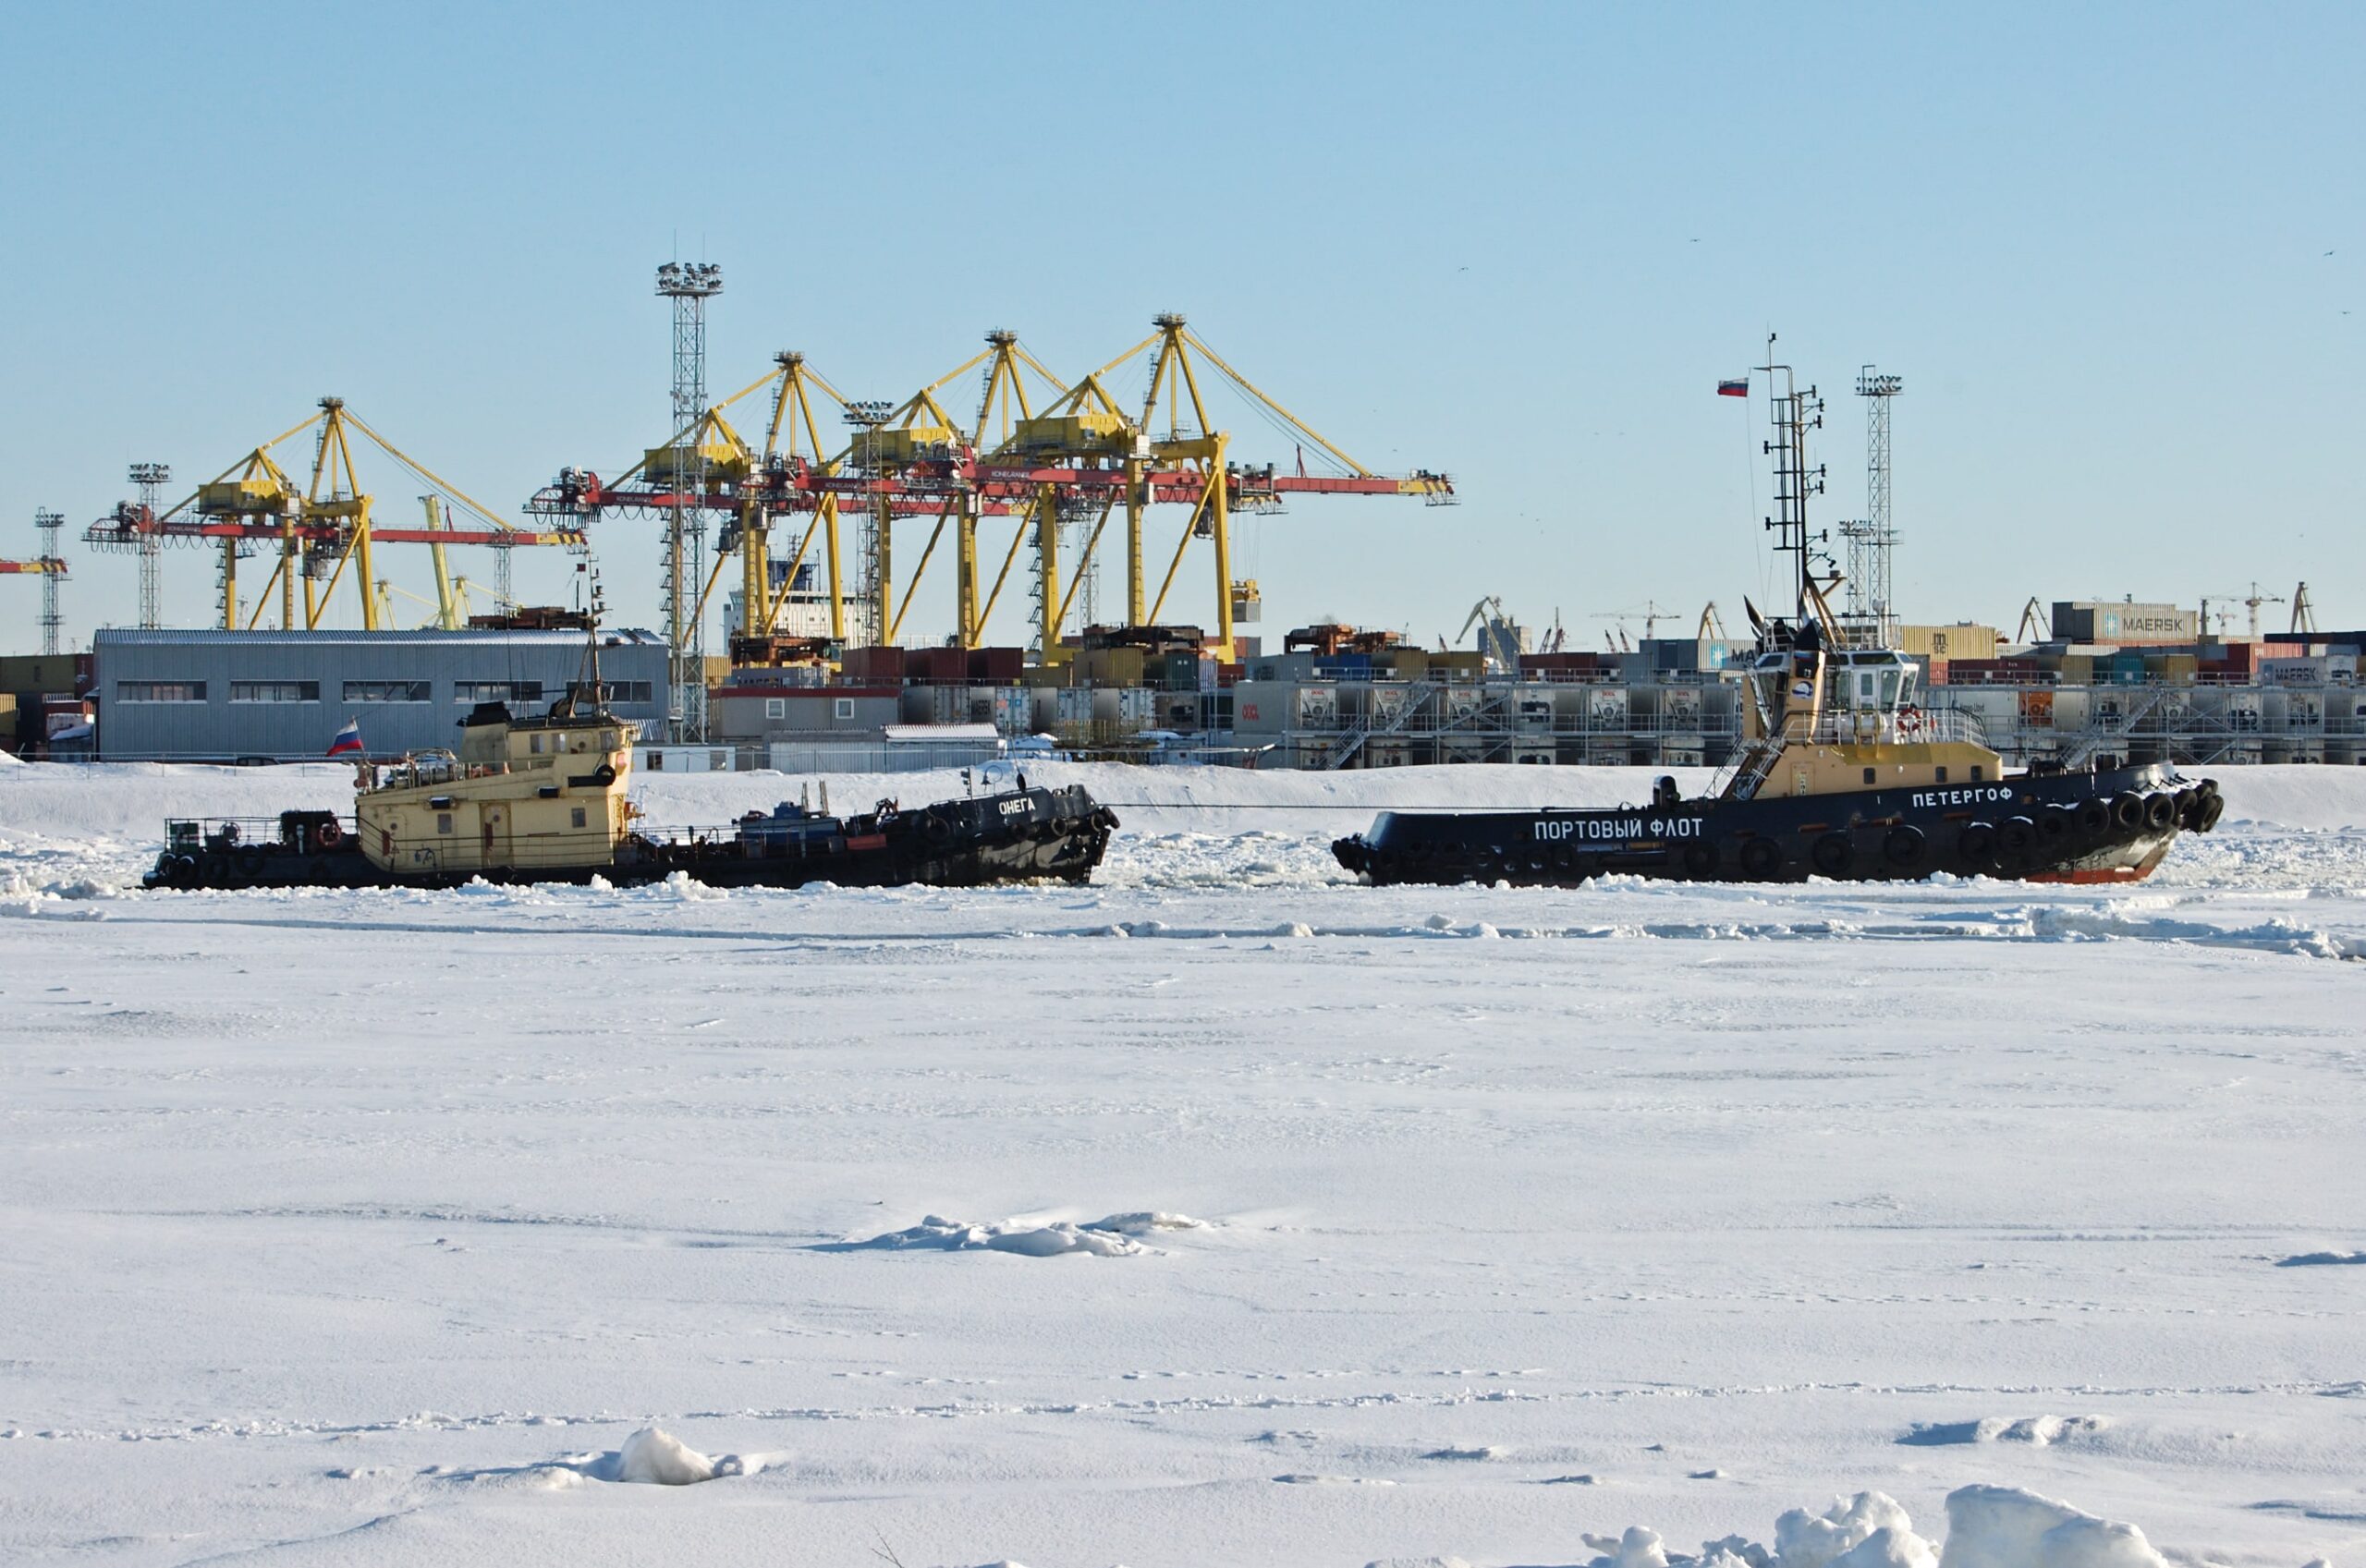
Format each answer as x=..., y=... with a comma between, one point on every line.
x=2107, y=826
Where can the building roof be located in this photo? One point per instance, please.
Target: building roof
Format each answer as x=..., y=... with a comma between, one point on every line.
x=898, y=733
x=183, y=637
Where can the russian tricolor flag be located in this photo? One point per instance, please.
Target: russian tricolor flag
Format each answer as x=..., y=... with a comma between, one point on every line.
x=349, y=740
x=1734, y=388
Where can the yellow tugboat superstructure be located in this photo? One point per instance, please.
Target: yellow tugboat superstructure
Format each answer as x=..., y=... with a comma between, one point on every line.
x=522, y=796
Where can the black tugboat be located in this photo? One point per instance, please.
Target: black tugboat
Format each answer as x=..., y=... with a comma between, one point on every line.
x=1024, y=834
x=1839, y=775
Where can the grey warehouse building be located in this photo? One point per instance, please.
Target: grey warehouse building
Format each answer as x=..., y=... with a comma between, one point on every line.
x=222, y=696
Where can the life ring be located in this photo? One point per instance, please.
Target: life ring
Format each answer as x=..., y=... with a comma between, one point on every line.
x=1909, y=720
x=2094, y=817
x=329, y=835
x=2160, y=813
x=1761, y=858
x=2128, y=810
x=1833, y=854
x=1701, y=858
x=1977, y=843
x=229, y=832
x=1903, y=846
x=2016, y=836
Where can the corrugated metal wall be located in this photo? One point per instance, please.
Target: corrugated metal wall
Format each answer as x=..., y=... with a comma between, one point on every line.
x=286, y=694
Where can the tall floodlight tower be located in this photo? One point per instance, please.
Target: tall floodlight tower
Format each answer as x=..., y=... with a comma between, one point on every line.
x=53, y=619
x=689, y=284
x=1872, y=613
x=151, y=479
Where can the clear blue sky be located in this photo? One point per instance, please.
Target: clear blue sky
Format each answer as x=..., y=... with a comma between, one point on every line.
x=1519, y=243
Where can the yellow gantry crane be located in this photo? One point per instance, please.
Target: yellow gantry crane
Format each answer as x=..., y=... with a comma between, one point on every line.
x=319, y=529
x=1076, y=456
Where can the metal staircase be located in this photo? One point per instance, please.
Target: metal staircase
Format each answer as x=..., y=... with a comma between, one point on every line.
x=1417, y=701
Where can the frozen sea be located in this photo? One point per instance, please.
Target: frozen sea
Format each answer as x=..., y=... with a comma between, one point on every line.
x=1223, y=1212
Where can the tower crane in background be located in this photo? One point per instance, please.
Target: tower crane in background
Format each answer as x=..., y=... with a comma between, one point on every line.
x=319, y=529
x=1653, y=614
x=49, y=566
x=2251, y=602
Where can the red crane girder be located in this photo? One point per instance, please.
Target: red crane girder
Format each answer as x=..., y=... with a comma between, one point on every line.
x=922, y=489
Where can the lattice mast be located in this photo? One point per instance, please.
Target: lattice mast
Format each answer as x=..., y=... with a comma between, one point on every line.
x=53, y=562
x=1793, y=414
x=689, y=284
x=149, y=480
x=1871, y=617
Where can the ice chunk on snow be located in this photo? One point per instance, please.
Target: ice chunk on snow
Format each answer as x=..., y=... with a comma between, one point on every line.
x=1638, y=1547
x=2039, y=1430
x=1889, y=1546
x=2006, y=1528
x=1824, y=1540
x=1144, y=1223
x=937, y=1234
x=1987, y=1528
x=662, y=1459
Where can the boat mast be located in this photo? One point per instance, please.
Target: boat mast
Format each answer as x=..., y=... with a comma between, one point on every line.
x=1793, y=414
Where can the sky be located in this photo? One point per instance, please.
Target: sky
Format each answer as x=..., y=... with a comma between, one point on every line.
x=2116, y=253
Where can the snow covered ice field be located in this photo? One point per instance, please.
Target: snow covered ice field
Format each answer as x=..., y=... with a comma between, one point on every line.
x=348, y=1228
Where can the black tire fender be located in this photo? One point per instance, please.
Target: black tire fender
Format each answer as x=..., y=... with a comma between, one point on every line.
x=1978, y=842
x=1761, y=858
x=2015, y=837
x=2094, y=816
x=1903, y=846
x=2128, y=810
x=2054, y=824
x=2160, y=813
x=1833, y=854
x=2212, y=810
x=1701, y=858
x=181, y=871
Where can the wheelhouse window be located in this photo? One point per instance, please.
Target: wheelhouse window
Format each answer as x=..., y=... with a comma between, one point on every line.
x=387, y=691
x=160, y=691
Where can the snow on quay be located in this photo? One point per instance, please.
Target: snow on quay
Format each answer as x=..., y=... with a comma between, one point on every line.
x=1534, y=1226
